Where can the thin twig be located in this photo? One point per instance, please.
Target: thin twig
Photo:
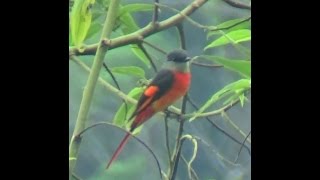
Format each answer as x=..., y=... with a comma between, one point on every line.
x=118, y=86
x=227, y=118
x=148, y=56
x=154, y=47
x=244, y=141
x=167, y=136
x=215, y=112
x=192, y=170
x=195, y=106
x=207, y=65
x=182, y=37
x=155, y=12
x=140, y=141
x=213, y=150
x=76, y=177
x=237, y=4
x=233, y=25
x=176, y=156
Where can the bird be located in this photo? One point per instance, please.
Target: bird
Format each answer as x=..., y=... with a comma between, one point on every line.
x=170, y=84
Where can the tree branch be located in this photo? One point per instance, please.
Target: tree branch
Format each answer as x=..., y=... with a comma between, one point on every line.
x=91, y=83
x=237, y=4
x=139, y=35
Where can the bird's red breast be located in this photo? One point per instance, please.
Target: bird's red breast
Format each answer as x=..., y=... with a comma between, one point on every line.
x=179, y=88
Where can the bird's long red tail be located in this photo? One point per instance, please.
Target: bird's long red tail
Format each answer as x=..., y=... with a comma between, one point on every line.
x=119, y=149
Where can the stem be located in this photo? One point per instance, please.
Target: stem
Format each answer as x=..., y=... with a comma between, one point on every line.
x=155, y=12
x=244, y=141
x=167, y=138
x=91, y=83
x=177, y=152
x=182, y=39
x=154, y=47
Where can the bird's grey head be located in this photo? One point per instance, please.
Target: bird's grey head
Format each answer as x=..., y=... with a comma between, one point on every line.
x=178, y=56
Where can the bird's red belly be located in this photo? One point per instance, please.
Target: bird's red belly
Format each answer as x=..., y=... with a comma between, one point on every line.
x=179, y=89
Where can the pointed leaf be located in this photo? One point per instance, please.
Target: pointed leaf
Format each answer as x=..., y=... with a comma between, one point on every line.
x=119, y=118
x=243, y=67
x=227, y=90
x=94, y=29
x=136, y=7
x=129, y=26
x=139, y=53
x=235, y=37
x=80, y=20
x=129, y=70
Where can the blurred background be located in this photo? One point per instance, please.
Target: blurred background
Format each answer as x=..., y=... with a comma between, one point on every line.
x=215, y=161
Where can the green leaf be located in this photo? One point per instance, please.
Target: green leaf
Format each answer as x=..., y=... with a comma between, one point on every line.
x=232, y=88
x=94, y=29
x=243, y=67
x=129, y=70
x=243, y=25
x=80, y=20
x=120, y=119
x=129, y=26
x=235, y=37
x=139, y=53
x=136, y=7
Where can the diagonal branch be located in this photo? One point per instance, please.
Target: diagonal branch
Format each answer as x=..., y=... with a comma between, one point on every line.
x=139, y=35
x=154, y=47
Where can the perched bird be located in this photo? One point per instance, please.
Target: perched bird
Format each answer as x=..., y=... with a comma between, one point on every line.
x=171, y=83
